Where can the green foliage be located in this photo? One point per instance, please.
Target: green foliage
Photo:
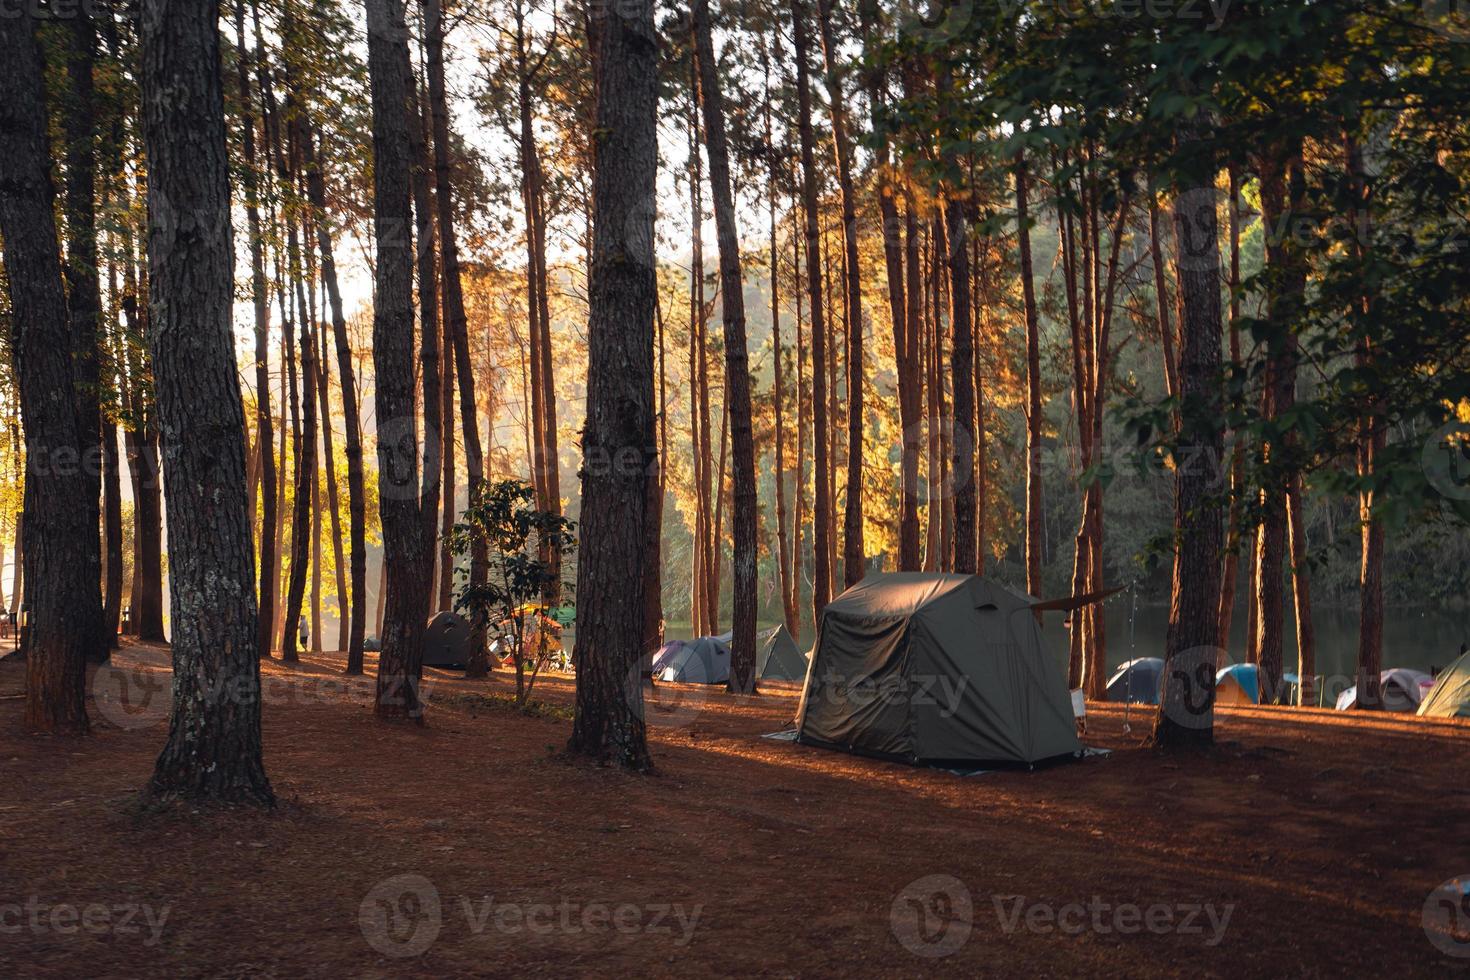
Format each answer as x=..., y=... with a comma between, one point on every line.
x=527, y=551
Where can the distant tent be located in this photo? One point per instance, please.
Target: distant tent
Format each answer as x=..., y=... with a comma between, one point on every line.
x=776, y=655
x=935, y=668
x=1140, y=681
x=661, y=657
x=1450, y=695
x=700, y=661
x=447, y=640
x=1238, y=684
x=1402, y=690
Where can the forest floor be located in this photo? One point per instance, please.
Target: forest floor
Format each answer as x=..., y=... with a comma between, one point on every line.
x=1306, y=843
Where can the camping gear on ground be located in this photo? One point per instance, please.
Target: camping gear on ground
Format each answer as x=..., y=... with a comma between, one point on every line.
x=447, y=640
x=935, y=668
x=776, y=655
x=1402, y=690
x=1450, y=695
x=1238, y=684
x=1139, y=681
x=704, y=660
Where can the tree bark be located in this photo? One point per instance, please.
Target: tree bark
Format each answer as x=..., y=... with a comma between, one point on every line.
x=1034, y=418
x=431, y=327
x=962, y=368
x=265, y=435
x=407, y=545
x=1372, y=440
x=1306, y=634
x=618, y=439
x=1237, y=450
x=854, y=560
x=213, y=750
x=84, y=298
x=58, y=582
x=143, y=461
x=822, y=506
x=1278, y=172
x=1186, y=714
x=305, y=480
x=785, y=570
x=352, y=449
x=798, y=518
x=737, y=361
x=456, y=323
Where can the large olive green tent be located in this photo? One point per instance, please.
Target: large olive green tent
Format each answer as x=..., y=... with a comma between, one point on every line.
x=935, y=668
x=1450, y=695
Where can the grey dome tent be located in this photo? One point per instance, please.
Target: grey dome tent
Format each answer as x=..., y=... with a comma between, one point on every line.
x=777, y=657
x=700, y=661
x=447, y=640
x=935, y=668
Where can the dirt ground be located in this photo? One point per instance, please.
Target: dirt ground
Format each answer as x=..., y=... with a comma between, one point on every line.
x=1307, y=843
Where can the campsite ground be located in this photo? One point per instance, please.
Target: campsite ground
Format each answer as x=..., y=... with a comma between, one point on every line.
x=1306, y=843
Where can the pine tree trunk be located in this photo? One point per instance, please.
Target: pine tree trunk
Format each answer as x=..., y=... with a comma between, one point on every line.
x=59, y=584
x=737, y=362
x=356, y=509
x=798, y=519
x=1306, y=634
x=1371, y=443
x=618, y=439
x=305, y=480
x=350, y=604
x=1186, y=714
x=260, y=303
x=1231, y=573
x=1034, y=417
x=854, y=560
x=438, y=442
x=909, y=366
x=448, y=491
x=84, y=298
x=934, y=505
x=113, y=536
x=456, y=323
x=653, y=600
x=1278, y=396
x=17, y=579
x=213, y=750
x=143, y=463
x=822, y=507
x=785, y=570
x=962, y=368
x=316, y=540
x=407, y=544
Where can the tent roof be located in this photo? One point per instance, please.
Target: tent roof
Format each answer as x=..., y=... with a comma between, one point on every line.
x=1450, y=695
x=901, y=594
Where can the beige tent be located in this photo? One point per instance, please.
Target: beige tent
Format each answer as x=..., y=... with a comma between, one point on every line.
x=935, y=668
x=1450, y=695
